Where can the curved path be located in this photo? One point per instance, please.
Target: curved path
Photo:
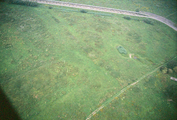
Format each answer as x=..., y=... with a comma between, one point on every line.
x=161, y=19
x=111, y=10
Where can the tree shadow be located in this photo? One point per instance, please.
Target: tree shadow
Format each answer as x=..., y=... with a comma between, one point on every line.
x=7, y=111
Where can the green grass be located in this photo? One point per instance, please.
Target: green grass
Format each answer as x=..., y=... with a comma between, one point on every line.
x=60, y=63
x=163, y=7
x=151, y=100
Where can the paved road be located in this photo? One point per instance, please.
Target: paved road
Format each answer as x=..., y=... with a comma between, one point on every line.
x=161, y=19
x=111, y=10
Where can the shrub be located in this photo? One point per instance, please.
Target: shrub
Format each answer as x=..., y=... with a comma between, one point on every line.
x=26, y=3
x=127, y=18
x=172, y=64
x=50, y=7
x=121, y=50
x=83, y=11
x=137, y=10
x=165, y=70
x=161, y=68
x=148, y=21
x=175, y=69
x=170, y=71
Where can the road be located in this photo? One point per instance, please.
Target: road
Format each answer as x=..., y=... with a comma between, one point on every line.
x=110, y=10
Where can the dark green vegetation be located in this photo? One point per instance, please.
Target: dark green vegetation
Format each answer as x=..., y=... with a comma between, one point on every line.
x=150, y=99
x=50, y=7
x=137, y=10
x=170, y=68
x=127, y=18
x=148, y=21
x=172, y=64
x=62, y=64
x=83, y=11
x=165, y=8
x=25, y=3
x=121, y=50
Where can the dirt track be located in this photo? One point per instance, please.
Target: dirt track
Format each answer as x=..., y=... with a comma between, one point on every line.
x=111, y=10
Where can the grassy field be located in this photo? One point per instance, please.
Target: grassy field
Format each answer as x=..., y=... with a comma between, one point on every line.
x=60, y=63
x=165, y=8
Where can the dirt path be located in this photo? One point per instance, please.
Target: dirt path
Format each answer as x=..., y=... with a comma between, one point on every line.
x=111, y=10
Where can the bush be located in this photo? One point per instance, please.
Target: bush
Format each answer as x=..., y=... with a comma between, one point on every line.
x=121, y=50
x=148, y=21
x=175, y=69
x=26, y=3
x=170, y=71
x=137, y=10
x=161, y=68
x=83, y=11
x=127, y=18
x=50, y=7
x=172, y=64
